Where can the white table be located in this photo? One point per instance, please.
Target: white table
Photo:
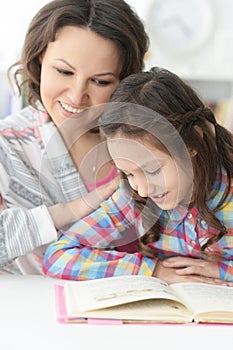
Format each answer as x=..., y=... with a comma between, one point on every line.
x=28, y=321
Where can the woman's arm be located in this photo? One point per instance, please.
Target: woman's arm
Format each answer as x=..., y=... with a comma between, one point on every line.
x=21, y=231
x=64, y=214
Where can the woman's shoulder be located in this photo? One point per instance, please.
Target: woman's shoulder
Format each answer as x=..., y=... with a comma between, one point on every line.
x=21, y=119
x=24, y=118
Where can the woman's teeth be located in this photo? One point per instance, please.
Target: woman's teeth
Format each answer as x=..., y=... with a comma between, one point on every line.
x=71, y=109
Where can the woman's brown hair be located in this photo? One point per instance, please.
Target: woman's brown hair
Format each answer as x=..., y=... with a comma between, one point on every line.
x=111, y=19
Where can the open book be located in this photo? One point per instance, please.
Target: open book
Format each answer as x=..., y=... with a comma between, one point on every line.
x=144, y=299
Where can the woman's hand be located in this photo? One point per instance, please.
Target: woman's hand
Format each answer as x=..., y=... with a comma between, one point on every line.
x=170, y=272
x=67, y=213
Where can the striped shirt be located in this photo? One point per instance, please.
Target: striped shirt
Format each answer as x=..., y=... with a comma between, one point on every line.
x=98, y=246
x=36, y=171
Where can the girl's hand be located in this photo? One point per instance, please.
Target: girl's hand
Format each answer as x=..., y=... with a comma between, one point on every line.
x=170, y=275
x=190, y=266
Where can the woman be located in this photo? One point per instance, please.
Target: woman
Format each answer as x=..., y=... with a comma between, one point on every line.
x=74, y=55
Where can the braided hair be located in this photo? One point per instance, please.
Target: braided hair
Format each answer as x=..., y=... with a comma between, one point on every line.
x=169, y=96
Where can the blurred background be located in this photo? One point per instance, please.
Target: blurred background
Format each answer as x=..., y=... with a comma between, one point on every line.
x=193, y=38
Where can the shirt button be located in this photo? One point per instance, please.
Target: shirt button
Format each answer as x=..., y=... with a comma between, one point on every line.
x=203, y=223
x=189, y=216
x=193, y=243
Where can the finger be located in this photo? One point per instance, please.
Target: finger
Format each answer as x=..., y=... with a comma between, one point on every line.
x=181, y=262
x=208, y=280
x=203, y=269
x=215, y=281
x=191, y=270
x=222, y=282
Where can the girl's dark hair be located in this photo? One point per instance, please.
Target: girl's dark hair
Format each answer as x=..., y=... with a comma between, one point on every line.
x=169, y=96
x=112, y=19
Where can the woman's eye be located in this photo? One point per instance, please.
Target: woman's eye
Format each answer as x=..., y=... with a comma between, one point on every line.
x=63, y=71
x=101, y=82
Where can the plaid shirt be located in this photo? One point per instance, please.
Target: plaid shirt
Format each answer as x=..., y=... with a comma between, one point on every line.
x=98, y=246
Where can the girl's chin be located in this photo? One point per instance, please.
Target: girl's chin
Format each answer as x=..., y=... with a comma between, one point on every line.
x=166, y=204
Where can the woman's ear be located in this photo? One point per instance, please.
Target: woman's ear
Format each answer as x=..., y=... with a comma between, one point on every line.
x=41, y=57
x=192, y=152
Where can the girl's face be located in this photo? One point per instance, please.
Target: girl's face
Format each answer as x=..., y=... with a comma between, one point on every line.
x=151, y=172
x=78, y=70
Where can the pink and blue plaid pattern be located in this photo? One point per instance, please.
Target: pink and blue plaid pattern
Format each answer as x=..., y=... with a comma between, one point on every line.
x=91, y=247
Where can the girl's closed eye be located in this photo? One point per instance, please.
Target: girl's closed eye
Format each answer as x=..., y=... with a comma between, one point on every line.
x=128, y=175
x=124, y=172
x=153, y=172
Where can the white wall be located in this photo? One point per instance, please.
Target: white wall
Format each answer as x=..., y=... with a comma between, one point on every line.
x=214, y=59
x=14, y=19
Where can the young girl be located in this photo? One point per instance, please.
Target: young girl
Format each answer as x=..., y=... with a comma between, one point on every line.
x=179, y=162
x=74, y=55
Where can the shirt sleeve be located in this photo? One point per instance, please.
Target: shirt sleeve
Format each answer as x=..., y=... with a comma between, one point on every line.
x=226, y=270
x=225, y=244
x=21, y=231
x=88, y=250
x=226, y=247
x=226, y=264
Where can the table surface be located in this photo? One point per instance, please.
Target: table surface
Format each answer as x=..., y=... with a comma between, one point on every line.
x=28, y=321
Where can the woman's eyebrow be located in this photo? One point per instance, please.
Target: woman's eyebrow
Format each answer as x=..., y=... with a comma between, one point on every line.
x=96, y=75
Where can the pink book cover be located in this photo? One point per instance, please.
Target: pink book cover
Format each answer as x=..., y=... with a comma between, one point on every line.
x=62, y=316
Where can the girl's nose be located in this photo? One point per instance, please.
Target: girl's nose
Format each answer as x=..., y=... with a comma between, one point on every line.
x=142, y=189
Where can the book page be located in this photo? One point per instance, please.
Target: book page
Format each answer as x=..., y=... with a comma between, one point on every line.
x=107, y=292
x=200, y=297
x=151, y=310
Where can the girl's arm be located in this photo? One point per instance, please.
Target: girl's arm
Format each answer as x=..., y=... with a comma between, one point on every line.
x=89, y=249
